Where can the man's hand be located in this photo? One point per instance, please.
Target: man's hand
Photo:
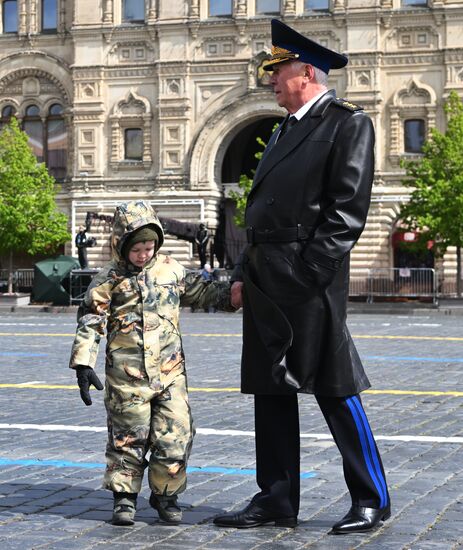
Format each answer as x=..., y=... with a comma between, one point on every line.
x=85, y=377
x=236, y=298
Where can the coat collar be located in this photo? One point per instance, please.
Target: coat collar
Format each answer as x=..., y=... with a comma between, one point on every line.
x=300, y=131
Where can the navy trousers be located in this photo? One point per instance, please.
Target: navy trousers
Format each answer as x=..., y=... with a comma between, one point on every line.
x=278, y=451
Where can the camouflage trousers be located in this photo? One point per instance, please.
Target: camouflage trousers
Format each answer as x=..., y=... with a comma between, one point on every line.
x=142, y=420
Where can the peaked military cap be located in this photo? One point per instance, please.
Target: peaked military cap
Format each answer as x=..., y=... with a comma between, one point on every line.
x=289, y=45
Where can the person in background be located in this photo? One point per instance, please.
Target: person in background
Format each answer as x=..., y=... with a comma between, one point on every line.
x=81, y=244
x=135, y=300
x=201, y=240
x=206, y=272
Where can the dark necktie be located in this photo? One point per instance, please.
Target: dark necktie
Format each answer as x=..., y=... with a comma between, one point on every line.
x=290, y=122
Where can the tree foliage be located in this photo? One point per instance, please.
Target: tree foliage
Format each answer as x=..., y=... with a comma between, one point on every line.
x=29, y=219
x=436, y=201
x=245, y=184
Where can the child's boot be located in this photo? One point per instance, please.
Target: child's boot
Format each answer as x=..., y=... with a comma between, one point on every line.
x=125, y=505
x=167, y=507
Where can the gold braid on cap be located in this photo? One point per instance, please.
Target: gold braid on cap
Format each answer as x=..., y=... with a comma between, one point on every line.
x=282, y=53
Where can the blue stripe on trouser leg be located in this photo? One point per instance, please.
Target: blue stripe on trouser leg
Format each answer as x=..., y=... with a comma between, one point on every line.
x=373, y=450
x=365, y=449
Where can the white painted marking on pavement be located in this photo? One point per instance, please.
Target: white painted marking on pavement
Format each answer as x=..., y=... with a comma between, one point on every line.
x=52, y=427
x=212, y=431
x=424, y=324
x=37, y=324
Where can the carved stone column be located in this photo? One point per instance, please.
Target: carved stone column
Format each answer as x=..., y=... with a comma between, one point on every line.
x=387, y=4
x=394, y=136
x=147, y=139
x=33, y=23
x=61, y=16
x=68, y=124
x=108, y=11
x=431, y=120
x=151, y=14
x=339, y=5
x=194, y=9
x=115, y=142
x=22, y=29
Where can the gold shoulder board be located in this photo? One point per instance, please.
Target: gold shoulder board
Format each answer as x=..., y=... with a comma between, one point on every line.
x=348, y=105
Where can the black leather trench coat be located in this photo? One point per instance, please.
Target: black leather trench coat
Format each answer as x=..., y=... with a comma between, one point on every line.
x=317, y=178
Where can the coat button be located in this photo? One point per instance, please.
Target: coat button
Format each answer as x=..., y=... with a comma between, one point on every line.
x=270, y=201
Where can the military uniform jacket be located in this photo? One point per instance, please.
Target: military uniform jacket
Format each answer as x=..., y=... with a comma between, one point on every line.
x=139, y=310
x=317, y=177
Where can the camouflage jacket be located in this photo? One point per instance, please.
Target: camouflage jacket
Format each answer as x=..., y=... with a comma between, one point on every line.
x=139, y=309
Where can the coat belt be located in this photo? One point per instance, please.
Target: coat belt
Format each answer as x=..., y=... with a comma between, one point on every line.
x=278, y=235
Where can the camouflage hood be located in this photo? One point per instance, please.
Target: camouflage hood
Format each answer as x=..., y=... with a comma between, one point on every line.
x=129, y=217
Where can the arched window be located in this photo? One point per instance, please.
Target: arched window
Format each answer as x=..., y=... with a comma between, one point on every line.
x=49, y=15
x=133, y=11
x=7, y=112
x=267, y=6
x=10, y=16
x=130, y=140
x=48, y=138
x=56, y=151
x=33, y=126
x=316, y=5
x=220, y=8
x=133, y=144
x=414, y=132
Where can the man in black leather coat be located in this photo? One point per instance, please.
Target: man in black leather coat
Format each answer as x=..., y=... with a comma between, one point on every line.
x=306, y=210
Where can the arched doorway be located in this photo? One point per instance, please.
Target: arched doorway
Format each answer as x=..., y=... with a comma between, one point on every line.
x=240, y=158
x=412, y=249
x=240, y=154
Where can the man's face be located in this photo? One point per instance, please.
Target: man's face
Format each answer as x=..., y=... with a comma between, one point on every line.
x=290, y=81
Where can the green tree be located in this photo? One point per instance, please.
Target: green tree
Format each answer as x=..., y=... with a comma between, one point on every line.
x=29, y=219
x=245, y=184
x=436, y=202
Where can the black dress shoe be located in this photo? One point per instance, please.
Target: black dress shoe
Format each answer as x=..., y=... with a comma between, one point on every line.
x=360, y=519
x=253, y=516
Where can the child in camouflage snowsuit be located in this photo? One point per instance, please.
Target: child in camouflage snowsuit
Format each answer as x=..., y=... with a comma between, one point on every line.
x=136, y=298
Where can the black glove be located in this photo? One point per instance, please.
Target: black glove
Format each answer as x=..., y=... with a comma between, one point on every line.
x=85, y=377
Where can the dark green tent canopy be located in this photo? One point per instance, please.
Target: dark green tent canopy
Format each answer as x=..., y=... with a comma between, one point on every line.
x=51, y=279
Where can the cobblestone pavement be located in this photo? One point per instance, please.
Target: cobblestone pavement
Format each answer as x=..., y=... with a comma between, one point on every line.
x=52, y=446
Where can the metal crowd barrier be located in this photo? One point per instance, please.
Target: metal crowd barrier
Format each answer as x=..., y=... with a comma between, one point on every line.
x=384, y=283
x=23, y=280
x=79, y=280
x=369, y=284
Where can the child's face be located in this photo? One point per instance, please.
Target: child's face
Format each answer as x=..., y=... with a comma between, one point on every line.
x=141, y=253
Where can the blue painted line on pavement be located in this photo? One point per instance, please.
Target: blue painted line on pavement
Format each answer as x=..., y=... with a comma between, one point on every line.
x=55, y=463
x=21, y=354
x=411, y=358
x=91, y=465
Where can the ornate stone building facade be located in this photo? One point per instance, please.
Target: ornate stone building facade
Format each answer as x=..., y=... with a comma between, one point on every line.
x=162, y=99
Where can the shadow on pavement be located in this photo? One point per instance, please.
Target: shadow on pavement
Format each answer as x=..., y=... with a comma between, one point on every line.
x=72, y=501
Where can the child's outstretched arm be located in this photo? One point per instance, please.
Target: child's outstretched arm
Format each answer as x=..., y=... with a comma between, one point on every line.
x=201, y=294
x=91, y=323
